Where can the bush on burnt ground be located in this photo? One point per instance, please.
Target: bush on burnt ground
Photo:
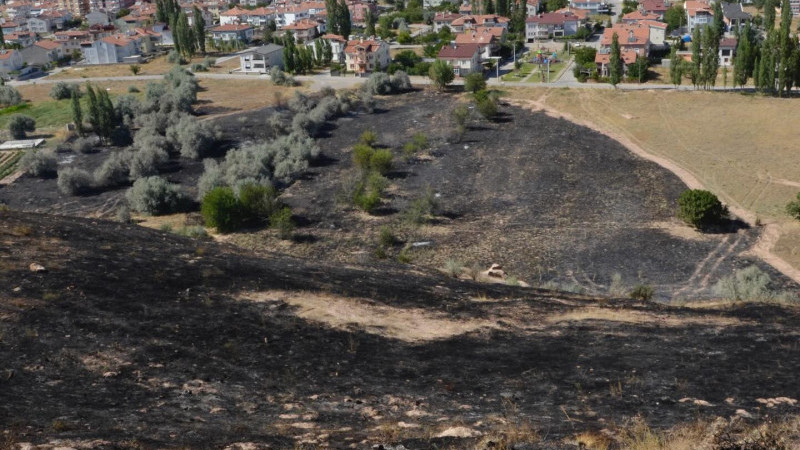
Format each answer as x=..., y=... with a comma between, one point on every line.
x=150, y=152
x=62, y=90
x=380, y=83
x=191, y=138
x=486, y=104
x=20, y=124
x=750, y=284
x=701, y=209
x=74, y=181
x=155, y=196
x=39, y=163
x=282, y=160
x=793, y=208
x=255, y=204
x=85, y=144
x=115, y=170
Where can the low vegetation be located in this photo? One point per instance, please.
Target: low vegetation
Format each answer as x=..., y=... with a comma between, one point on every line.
x=155, y=196
x=20, y=125
x=39, y=163
x=701, y=209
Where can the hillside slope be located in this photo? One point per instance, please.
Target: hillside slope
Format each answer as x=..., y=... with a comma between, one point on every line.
x=138, y=338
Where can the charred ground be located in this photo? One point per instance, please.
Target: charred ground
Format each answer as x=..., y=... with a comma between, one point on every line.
x=134, y=337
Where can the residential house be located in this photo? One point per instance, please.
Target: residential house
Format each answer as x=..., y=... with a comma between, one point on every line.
x=304, y=31
x=76, y=7
x=12, y=27
x=734, y=17
x=111, y=50
x=532, y=7
x=465, y=58
x=41, y=25
x=698, y=13
x=465, y=9
x=638, y=16
x=630, y=37
x=364, y=56
x=358, y=11
x=337, y=44
x=546, y=25
x=112, y=6
x=464, y=23
x=42, y=53
x=18, y=9
x=443, y=19
x=71, y=40
x=485, y=40
x=10, y=61
x=261, y=59
x=656, y=7
x=232, y=32
x=21, y=38
x=287, y=15
x=100, y=17
x=593, y=6
x=727, y=50
x=603, y=58
x=658, y=34
x=582, y=14
x=234, y=15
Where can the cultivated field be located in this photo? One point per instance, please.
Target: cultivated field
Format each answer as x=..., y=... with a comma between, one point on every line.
x=738, y=146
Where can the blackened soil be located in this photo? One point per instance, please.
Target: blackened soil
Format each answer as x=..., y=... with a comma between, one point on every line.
x=549, y=200
x=138, y=338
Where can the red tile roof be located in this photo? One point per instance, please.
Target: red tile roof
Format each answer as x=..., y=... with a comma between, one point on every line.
x=232, y=27
x=459, y=51
x=552, y=18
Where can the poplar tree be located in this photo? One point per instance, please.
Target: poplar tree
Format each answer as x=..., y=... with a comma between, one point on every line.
x=94, y=108
x=675, y=67
x=199, y=26
x=369, y=20
x=709, y=66
x=694, y=73
x=769, y=15
x=77, y=113
x=615, y=62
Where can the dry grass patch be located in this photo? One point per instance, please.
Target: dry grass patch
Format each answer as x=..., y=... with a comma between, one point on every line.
x=406, y=324
x=640, y=318
x=229, y=96
x=41, y=92
x=156, y=66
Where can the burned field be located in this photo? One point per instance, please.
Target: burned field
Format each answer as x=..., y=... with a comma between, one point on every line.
x=138, y=338
x=555, y=204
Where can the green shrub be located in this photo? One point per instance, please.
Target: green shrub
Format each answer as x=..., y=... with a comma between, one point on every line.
x=368, y=191
x=74, y=181
x=258, y=202
x=154, y=196
x=421, y=209
x=281, y=220
x=362, y=156
x=62, y=90
x=20, y=124
x=222, y=210
x=368, y=137
x=474, y=82
x=701, y=209
x=9, y=96
x=749, y=284
x=486, y=103
x=793, y=208
x=381, y=161
x=386, y=238
x=133, y=89
x=39, y=163
x=642, y=292
x=453, y=267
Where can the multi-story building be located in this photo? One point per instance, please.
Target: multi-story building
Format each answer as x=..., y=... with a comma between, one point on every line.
x=364, y=56
x=76, y=7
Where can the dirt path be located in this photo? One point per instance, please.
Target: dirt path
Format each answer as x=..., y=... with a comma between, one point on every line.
x=769, y=236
